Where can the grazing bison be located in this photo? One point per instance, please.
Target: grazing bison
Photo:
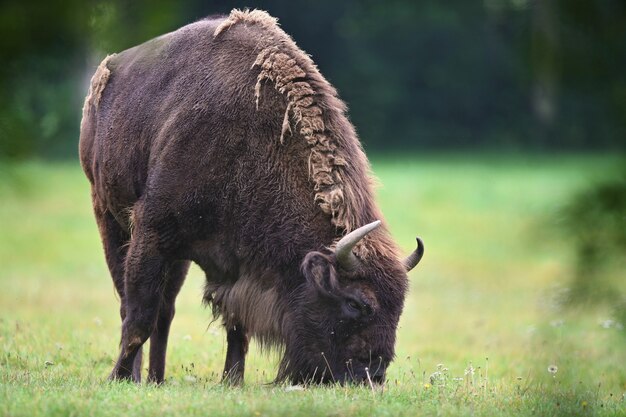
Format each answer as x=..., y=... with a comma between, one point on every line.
x=222, y=144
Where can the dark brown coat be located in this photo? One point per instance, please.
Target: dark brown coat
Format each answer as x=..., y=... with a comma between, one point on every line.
x=222, y=144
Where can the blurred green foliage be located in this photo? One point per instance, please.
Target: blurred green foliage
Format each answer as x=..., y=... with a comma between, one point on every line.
x=42, y=49
x=595, y=222
x=503, y=74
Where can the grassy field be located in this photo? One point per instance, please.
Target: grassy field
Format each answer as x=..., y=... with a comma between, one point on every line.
x=481, y=327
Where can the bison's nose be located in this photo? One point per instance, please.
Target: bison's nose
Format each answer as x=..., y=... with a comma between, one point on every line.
x=378, y=376
x=364, y=375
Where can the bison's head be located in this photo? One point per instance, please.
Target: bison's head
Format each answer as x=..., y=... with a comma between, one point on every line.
x=342, y=325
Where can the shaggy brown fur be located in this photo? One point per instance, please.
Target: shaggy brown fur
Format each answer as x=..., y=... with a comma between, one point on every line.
x=258, y=17
x=222, y=144
x=281, y=62
x=97, y=85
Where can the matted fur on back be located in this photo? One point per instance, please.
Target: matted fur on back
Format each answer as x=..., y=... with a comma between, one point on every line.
x=315, y=112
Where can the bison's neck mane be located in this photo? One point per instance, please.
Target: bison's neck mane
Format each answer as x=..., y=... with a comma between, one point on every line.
x=338, y=168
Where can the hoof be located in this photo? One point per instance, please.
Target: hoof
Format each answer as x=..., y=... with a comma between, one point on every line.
x=118, y=375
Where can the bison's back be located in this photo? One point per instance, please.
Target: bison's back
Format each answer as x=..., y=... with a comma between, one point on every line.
x=176, y=108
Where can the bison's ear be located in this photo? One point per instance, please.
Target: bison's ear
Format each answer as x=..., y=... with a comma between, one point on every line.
x=320, y=271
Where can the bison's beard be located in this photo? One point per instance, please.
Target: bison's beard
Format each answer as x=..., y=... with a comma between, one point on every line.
x=304, y=371
x=308, y=355
x=310, y=359
x=305, y=367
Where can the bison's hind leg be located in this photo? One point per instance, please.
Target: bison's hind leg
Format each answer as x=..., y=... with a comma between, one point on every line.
x=153, y=275
x=158, y=340
x=115, y=241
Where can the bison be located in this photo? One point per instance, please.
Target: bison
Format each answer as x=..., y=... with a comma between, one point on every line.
x=222, y=144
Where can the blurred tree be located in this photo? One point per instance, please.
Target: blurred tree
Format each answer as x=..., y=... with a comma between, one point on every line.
x=544, y=53
x=578, y=52
x=503, y=74
x=41, y=50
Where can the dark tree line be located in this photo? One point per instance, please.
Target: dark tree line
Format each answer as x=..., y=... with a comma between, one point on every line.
x=494, y=74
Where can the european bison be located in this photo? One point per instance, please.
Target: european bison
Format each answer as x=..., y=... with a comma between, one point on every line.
x=222, y=144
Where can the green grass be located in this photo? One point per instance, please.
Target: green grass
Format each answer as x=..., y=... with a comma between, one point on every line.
x=486, y=296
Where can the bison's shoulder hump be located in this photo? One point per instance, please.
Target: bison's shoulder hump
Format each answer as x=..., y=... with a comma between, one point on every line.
x=255, y=17
x=313, y=113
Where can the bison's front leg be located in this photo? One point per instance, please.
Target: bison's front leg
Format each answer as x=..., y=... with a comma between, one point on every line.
x=144, y=275
x=235, y=355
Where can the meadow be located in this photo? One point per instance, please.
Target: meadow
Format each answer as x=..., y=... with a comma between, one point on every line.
x=483, y=332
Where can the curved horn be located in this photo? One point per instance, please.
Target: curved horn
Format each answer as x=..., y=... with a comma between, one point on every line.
x=343, y=250
x=413, y=259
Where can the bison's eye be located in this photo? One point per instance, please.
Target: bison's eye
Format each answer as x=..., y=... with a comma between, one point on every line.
x=354, y=306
